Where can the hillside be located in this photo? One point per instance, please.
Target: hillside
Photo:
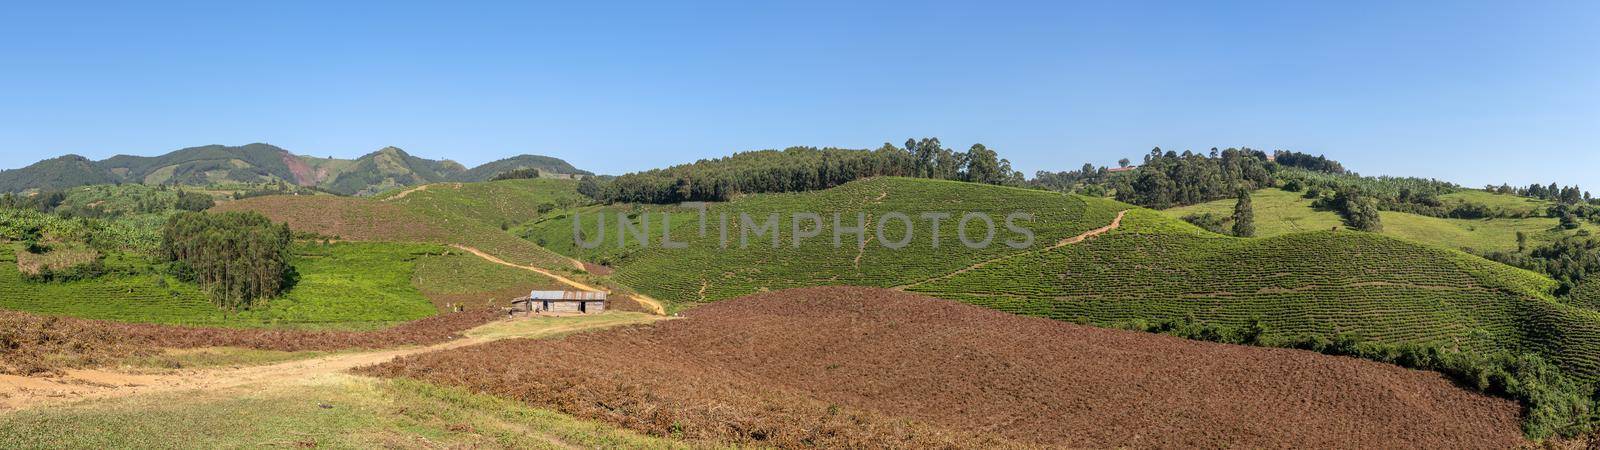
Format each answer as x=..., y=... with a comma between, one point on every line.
x=544, y=164
x=867, y=368
x=471, y=214
x=1151, y=268
x=704, y=271
x=385, y=169
x=347, y=285
x=1280, y=212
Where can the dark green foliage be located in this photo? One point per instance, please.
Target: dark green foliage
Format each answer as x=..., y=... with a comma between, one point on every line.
x=238, y=257
x=1305, y=161
x=390, y=167
x=56, y=173
x=194, y=201
x=518, y=174
x=1170, y=179
x=1293, y=185
x=1570, y=260
x=492, y=170
x=1567, y=195
x=1244, y=218
x=1359, y=212
x=1210, y=222
x=257, y=164
x=800, y=169
x=1402, y=194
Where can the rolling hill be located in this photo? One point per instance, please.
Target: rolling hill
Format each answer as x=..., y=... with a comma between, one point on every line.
x=1151, y=268
x=1280, y=212
x=385, y=169
x=544, y=164
x=467, y=214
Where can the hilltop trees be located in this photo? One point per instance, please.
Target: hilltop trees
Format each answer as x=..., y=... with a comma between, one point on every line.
x=1170, y=179
x=238, y=257
x=1244, y=216
x=801, y=169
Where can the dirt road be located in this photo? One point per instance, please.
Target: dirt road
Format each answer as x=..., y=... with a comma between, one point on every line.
x=18, y=392
x=653, y=304
x=424, y=187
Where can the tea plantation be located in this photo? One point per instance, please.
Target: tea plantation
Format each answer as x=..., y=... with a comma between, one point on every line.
x=1380, y=288
x=342, y=285
x=704, y=271
x=1280, y=212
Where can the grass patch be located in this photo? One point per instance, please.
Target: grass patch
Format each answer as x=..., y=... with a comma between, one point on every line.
x=547, y=326
x=1280, y=212
x=341, y=286
x=704, y=271
x=360, y=413
x=459, y=278
x=194, y=358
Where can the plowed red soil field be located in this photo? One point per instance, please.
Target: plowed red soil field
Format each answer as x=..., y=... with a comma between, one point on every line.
x=854, y=367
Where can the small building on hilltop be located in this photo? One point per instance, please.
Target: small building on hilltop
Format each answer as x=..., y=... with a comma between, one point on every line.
x=561, y=302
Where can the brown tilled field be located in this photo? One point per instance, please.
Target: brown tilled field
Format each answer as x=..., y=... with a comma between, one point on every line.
x=32, y=344
x=343, y=217
x=854, y=367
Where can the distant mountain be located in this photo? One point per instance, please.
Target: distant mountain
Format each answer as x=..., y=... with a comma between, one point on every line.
x=384, y=169
x=55, y=173
x=545, y=164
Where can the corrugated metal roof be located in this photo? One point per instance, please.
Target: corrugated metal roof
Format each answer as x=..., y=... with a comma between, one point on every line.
x=566, y=295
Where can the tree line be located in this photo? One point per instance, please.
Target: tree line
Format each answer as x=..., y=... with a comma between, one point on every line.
x=239, y=257
x=800, y=169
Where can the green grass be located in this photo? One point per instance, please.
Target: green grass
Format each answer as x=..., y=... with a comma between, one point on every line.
x=458, y=277
x=343, y=285
x=706, y=272
x=471, y=214
x=1317, y=283
x=191, y=358
x=495, y=202
x=1280, y=212
x=362, y=413
x=352, y=284
x=539, y=327
x=1509, y=203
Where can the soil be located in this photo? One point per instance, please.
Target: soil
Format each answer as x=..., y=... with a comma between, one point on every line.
x=860, y=367
x=33, y=345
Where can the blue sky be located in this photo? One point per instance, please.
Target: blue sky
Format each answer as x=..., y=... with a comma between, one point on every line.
x=1472, y=92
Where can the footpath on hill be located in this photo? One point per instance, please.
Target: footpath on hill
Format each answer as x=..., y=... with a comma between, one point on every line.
x=653, y=304
x=1115, y=223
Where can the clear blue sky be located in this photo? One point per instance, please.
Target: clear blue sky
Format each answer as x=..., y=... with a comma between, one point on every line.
x=1472, y=92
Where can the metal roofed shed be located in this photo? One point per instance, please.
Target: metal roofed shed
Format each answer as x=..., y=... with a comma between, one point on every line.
x=561, y=302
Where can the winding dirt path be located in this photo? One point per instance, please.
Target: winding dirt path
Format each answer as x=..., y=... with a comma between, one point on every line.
x=19, y=392
x=424, y=187
x=652, y=303
x=1115, y=223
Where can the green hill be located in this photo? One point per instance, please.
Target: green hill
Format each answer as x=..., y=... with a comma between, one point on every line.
x=1150, y=269
x=55, y=173
x=1280, y=212
x=544, y=164
x=385, y=169
x=344, y=285
x=705, y=272
x=470, y=214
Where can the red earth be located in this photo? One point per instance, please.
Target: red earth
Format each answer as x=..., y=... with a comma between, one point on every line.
x=859, y=367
